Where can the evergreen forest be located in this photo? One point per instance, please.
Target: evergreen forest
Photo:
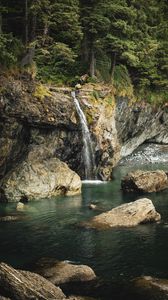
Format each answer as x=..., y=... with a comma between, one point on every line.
x=60, y=40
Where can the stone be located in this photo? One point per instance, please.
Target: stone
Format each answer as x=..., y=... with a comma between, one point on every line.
x=80, y=298
x=20, y=206
x=150, y=288
x=61, y=272
x=126, y=215
x=92, y=206
x=38, y=177
x=26, y=285
x=138, y=124
x=145, y=181
x=9, y=218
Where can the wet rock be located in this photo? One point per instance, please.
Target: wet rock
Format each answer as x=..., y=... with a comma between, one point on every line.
x=61, y=272
x=126, y=215
x=137, y=123
x=26, y=285
x=149, y=288
x=9, y=218
x=39, y=176
x=92, y=206
x=145, y=181
x=20, y=206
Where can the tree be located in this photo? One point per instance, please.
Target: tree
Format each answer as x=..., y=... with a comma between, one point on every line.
x=118, y=43
x=95, y=25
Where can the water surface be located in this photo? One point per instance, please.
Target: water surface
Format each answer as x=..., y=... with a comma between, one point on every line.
x=49, y=228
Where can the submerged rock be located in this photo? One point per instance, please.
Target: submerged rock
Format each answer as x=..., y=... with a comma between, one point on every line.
x=60, y=272
x=149, y=288
x=39, y=177
x=26, y=285
x=9, y=218
x=126, y=215
x=145, y=181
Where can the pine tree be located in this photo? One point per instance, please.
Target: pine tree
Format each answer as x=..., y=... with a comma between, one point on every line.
x=162, y=53
x=95, y=25
x=118, y=43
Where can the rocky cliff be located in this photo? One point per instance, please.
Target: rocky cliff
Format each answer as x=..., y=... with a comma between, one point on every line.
x=37, y=117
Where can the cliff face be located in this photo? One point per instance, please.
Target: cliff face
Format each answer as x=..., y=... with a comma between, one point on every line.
x=33, y=116
x=139, y=122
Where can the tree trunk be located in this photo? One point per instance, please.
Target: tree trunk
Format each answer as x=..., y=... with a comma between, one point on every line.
x=0, y=23
x=26, y=22
x=85, y=49
x=33, y=27
x=92, y=63
x=112, y=67
x=45, y=32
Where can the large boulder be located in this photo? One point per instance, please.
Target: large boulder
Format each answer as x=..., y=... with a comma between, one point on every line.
x=39, y=176
x=126, y=215
x=145, y=181
x=26, y=285
x=149, y=288
x=60, y=272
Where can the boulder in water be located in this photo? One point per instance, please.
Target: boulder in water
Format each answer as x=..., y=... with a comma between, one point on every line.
x=20, y=206
x=39, y=177
x=145, y=181
x=149, y=288
x=26, y=285
x=126, y=215
x=61, y=272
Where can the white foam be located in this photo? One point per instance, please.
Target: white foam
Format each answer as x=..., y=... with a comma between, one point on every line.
x=93, y=182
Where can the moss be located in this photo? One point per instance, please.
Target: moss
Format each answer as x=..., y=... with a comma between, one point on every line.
x=41, y=92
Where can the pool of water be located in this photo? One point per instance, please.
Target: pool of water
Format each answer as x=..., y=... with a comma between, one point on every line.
x=49, y=228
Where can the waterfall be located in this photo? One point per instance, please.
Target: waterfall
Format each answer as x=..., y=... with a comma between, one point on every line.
x=89, y=159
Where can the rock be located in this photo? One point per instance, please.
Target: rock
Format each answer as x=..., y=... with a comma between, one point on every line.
x=78, y=86
x=145, y=181
x=39, y=176
x=126, y=215
x=61, y=272
x=36, y=104
x=20, y=206
x=26, y=285
x=92, y=206
x=9, y=218
x=150, y=288
x=79, y=298
x=13, y=136
x=137, y=124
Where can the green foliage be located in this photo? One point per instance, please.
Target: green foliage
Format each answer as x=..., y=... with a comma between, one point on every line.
x=123, y=42
x=122, y=81
x=55, y=62
x=156, y=98
x=10, y=49
x=41, y=92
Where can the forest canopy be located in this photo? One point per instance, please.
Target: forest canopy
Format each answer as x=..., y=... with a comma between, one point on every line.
x=103, y=38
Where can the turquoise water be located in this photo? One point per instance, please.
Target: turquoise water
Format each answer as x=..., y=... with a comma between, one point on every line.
x=50, y=228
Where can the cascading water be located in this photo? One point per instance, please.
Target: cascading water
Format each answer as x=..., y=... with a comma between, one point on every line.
x=89, y=159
